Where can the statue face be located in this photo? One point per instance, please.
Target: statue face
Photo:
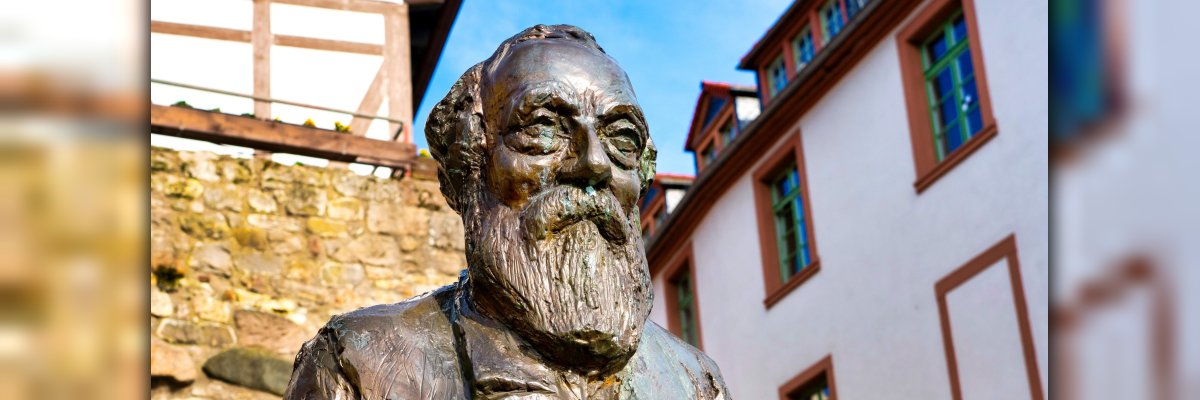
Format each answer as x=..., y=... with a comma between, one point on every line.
x=562, y=114
x=553, y=234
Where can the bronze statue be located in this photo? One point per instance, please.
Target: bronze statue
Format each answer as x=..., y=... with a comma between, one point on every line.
x=544, y=152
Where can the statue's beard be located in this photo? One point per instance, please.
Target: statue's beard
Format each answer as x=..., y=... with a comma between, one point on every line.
x=567, y=272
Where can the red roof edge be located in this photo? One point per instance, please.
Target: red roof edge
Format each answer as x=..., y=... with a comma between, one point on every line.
x=669, y=175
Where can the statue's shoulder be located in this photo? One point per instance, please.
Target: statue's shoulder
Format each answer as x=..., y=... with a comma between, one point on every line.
x=422, y=316
x=680, y=367
x=405, y=347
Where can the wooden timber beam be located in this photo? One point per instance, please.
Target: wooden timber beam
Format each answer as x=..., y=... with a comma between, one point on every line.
x=235, y=35
x=370, y=105
x=260, y=41
x=366, y=6
x=278, y=137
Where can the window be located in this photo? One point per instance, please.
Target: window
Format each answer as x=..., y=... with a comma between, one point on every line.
x=714, y=107
x=785, y=224
x=815, y=383
x=777, y=75
x=660, y=216
x=803, y=48
x=833, y=18
x=685, y=306
x=945, y=88
x=728, y=132
x=707, y=155
x=853, y=7
x=817, y=390
x=950, y=82
x=790, y=233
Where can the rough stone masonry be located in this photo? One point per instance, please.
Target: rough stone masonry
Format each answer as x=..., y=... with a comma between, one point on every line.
x=249, y=257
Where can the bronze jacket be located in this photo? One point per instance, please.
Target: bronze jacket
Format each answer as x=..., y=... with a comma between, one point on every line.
x=431, y=347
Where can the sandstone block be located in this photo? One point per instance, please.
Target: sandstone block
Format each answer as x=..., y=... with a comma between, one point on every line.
x=303, y=200
x=446, y=231
x=261, y=202
x=345, y=208
x=237, y=171
x=204, y=226
x=163, y=161
x=225, y=197
x=185, y=189
x=199, y=165
x=395, y=219
x=172, y=362
x=212, y=257
x=270, y=331
x=160, y=303
x=201, y=333
x=251, y=237
x=337, y=274
x=324, y=227
x=258, y=263
x=350, y=184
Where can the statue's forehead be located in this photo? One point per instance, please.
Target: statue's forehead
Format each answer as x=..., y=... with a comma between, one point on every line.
x=555, y=65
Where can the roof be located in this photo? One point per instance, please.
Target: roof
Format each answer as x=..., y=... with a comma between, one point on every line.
x=780, y=27
x=677, y=179
x=429, y=24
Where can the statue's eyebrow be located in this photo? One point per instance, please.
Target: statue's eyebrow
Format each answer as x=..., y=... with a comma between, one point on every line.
x=627, y=111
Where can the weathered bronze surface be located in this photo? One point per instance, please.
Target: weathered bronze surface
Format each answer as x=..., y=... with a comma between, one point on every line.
x=544, y=151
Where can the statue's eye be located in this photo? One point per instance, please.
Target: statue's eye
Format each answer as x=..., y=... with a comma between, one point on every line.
x=623, y=142
x=542, y=134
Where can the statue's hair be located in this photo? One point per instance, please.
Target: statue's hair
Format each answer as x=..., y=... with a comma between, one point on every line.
x=457, y=130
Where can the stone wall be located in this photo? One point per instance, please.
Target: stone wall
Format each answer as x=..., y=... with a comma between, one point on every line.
x=250, y=257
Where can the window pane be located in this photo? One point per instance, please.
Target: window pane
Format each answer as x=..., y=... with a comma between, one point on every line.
x=943, y=83
x=949, y=112
x=965, y=67
x=852, y=7
x=960, y=29
x=952, y=138
x=974, y=122
x=970, y=95
x=937, y=48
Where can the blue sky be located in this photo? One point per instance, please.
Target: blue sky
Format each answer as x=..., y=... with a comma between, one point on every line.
x=666, y=47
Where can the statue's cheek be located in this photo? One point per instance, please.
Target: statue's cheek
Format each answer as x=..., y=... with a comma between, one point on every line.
x=515, y=177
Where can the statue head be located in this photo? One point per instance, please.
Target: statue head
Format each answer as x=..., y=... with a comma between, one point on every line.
x=544, y=152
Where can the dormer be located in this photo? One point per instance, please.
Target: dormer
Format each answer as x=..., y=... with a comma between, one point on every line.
x=722, y=111
x=662, y=197
x=793, y=43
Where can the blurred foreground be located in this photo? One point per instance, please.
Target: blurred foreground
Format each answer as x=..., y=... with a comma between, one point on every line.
x=1125, y=288
x=73, y=201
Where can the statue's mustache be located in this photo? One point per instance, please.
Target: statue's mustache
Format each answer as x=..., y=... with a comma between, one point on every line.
x=560, y=207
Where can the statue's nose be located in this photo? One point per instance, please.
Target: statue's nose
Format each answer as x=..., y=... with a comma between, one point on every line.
x=591, y=165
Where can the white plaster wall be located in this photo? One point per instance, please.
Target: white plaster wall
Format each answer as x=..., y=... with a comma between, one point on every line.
x=883, y=246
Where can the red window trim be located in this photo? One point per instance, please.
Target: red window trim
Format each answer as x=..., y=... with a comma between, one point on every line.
x=791, y=150
x=825, y=366
x=908, y=44
x=684, y=257
x=1006, y=250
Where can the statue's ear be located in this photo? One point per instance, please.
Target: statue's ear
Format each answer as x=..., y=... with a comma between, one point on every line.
x=454, y=131
x=646, y=165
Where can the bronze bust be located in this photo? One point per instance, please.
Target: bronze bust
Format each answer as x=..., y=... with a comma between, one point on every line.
x=544, y=152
